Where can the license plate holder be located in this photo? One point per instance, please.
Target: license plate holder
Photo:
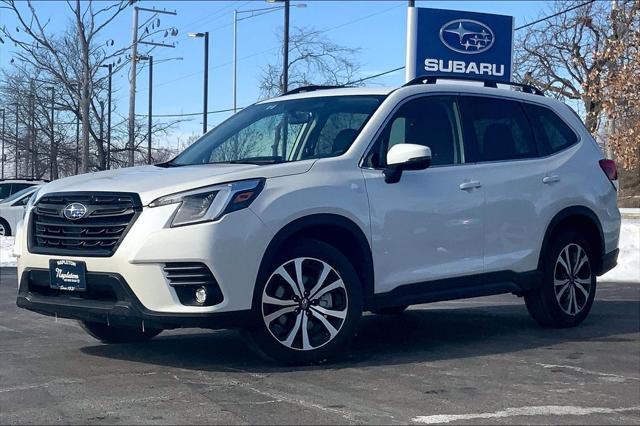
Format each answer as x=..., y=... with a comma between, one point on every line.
x=68, y=275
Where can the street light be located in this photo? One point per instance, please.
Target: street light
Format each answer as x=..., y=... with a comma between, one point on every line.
x=253, y=14
x=2, y=176
x=204, y=35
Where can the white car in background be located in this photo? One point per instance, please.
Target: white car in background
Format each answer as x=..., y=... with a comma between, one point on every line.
x=12, y=210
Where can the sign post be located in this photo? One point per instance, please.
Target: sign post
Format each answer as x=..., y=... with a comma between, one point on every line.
x=459, y=43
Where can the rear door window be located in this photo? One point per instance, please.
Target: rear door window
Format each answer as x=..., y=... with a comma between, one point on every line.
x=550, y=130
x=5, y=190
x=496, y=130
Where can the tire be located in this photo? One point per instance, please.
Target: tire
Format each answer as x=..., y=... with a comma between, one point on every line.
x=5, y=229
x=393, y=310
x=118, y=334
x=564, y=298
x=302, y=326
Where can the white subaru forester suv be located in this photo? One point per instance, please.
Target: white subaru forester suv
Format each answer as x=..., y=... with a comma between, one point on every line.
x=297, y=214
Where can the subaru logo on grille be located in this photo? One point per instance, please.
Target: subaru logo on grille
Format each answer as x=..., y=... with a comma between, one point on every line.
x=75, y=211
x=466, y=36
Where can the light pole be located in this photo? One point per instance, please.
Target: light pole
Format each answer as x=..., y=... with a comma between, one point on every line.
x=3, y=117
x=17, y=153
x=253, y=13
x=150, y=113
x=204, y=35
x=110, y=68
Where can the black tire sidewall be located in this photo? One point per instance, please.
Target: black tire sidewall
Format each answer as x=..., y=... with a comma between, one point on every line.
x=329, y=254
x=7, y=228
x=558, y=317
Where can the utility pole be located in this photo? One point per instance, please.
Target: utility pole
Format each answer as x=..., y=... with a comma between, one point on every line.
x=110, y=68
x=150, y=115
x=77, y=141
x=3, y=117
x=134, y=59
x=285, y=52
x=33, y=130
x=132, y=88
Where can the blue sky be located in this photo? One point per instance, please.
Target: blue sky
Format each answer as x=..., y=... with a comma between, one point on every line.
x=376, y=27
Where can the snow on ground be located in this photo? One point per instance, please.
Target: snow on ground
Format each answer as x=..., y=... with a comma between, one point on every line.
x=6, y=252
x=628, y=269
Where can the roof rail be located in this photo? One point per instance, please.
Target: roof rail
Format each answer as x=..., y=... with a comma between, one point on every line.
x=29, y=179
x=312, y=88
x=432, y=79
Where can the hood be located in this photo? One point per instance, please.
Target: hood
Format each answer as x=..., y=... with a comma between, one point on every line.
x=151, y=182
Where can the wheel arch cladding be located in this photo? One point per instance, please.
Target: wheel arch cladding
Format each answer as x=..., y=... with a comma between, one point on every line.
x=582, y=220
x=338, y=231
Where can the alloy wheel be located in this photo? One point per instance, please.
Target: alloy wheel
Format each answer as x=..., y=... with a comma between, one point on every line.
x=304, y=304
x=2, y=230
x=572, y=279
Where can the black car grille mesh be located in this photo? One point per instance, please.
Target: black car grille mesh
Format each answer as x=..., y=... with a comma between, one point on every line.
x=107, y=219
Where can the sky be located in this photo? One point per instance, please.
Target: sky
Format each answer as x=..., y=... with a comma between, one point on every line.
x=377, y=28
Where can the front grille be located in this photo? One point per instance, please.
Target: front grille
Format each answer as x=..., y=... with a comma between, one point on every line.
x=108, y=217
x=187, y=277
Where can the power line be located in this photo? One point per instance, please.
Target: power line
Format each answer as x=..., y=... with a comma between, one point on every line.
x=554, y=15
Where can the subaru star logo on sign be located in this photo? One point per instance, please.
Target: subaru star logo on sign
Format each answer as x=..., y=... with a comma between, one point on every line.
x=75, y=211
x=466, y=36
x=459, y=43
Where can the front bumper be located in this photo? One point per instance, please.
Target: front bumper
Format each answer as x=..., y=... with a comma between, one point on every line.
x=110, y=300
x=231, y=248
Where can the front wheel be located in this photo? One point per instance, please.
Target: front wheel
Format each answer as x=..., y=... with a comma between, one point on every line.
x=569, y=283
x=309, y=306
x=118, y=334
x=5, y=229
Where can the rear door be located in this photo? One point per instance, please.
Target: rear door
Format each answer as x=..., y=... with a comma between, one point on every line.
x=500, y=140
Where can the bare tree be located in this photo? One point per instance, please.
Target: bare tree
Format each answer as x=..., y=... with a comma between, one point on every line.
x=45, y=51
x=313, y=59
x=563, y=55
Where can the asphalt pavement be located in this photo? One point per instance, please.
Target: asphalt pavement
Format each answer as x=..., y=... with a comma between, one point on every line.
x=473, y=361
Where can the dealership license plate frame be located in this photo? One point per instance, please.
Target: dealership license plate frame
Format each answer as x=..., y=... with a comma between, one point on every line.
x=68, y=275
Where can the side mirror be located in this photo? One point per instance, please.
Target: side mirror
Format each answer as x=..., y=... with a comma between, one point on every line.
x=406, y=156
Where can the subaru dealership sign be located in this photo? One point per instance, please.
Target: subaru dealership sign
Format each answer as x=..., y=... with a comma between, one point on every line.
x=459, y=43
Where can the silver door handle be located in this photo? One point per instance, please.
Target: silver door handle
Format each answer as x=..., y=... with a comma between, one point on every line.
x=550, y=179
x=470, y=185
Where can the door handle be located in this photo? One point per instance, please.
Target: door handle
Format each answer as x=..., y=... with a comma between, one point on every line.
x=473, y=184
x=550, y=179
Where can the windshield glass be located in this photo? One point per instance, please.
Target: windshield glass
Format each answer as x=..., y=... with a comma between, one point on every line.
x=276, y=132
x=18, y=194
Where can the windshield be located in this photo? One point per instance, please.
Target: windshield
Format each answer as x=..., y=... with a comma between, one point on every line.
x=18, y=194
x=276, y=132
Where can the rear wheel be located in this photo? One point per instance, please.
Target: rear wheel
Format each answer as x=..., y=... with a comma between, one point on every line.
x=569, y=284
x=118, y=334
x=310, y=304
x=5, y=230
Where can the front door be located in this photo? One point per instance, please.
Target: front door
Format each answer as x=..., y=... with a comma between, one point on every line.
x=429, y=225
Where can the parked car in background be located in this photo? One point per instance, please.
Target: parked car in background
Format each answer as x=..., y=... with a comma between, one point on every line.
x=11, y=186
x=12, y=210
x=298, y=213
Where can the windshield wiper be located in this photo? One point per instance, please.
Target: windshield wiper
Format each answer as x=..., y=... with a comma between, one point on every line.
x=253, y=160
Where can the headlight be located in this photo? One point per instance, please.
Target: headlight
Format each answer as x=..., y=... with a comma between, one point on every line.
x=211, y=202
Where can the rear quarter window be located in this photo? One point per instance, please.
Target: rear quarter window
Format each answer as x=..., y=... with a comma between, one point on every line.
x=549, y=129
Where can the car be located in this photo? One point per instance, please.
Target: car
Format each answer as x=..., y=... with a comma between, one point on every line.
x=11, y=186
x=12, y=210
x=297, y=214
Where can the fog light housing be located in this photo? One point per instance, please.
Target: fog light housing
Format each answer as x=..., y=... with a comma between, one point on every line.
x=201, y=295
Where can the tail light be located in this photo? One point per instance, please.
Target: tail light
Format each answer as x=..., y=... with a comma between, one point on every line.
x=609, y=168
